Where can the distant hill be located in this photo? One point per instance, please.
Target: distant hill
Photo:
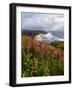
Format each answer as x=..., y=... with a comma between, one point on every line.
x=32, y=32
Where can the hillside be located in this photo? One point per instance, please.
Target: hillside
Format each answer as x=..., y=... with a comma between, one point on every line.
x=33, y=32
x=58, y=44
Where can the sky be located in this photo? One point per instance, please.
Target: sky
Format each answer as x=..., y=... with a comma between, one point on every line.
x=41, y=21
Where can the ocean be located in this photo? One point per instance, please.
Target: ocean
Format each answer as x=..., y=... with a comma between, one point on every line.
x=59, y=34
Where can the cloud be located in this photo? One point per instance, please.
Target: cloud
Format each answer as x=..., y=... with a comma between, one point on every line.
x=39, y=21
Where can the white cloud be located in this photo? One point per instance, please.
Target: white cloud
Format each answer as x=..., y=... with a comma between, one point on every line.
x=35, y=21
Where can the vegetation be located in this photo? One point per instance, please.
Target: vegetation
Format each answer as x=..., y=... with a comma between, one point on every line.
x=58, y=44
x=39, y=59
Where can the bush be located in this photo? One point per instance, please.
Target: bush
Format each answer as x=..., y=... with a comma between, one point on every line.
x=36, y=63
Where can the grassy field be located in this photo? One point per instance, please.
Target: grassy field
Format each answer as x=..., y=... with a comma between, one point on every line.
x=39, y=59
